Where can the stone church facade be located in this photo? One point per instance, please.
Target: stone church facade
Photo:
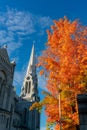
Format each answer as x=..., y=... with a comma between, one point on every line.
x=14, y=110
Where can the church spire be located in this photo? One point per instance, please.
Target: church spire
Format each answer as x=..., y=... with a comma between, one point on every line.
x=29, y=90
x=32, y=62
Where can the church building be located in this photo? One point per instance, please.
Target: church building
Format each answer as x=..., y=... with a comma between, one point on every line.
x=14, y=109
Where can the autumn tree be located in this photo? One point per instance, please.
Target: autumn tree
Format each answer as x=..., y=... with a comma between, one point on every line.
x=64, y=63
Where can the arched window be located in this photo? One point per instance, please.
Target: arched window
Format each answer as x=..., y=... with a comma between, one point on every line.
x=2, y=80
x=2, y=77
x=26, y=86
x=0, y=84
x=29, y=87
x=25, y=115
x=7, y=123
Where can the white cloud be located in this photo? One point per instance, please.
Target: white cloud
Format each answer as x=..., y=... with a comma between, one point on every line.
x=15, y=26
x=20, y=22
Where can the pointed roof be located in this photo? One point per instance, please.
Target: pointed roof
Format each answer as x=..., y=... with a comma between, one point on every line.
x=3, y=52
x=32, y=61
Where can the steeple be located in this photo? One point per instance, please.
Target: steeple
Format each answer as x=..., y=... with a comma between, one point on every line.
x=29, y=90
x=32, y=63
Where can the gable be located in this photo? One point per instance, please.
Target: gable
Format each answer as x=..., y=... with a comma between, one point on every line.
x=4, y=54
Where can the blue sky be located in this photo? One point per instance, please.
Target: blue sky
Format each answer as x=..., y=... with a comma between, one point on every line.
x=23, y=22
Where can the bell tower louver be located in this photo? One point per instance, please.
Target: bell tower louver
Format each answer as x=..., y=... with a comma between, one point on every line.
x=29, y=90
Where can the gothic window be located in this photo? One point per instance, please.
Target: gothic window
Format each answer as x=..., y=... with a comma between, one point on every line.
x=7, y=99
x=2, y=119
x=29, y=87
x=11, y=108
x=0, y=84
x=33, y=119
x=2, y=81
x=25, y=114
x=26, y=86
x=7, y=123
x=13, y=123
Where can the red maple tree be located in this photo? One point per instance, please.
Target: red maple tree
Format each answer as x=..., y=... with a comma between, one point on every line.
x=64, y=62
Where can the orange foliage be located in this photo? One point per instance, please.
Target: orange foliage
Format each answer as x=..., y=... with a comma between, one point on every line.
x=65, y=64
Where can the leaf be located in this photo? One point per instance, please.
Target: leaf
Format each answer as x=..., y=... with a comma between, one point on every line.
x=64, y=62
